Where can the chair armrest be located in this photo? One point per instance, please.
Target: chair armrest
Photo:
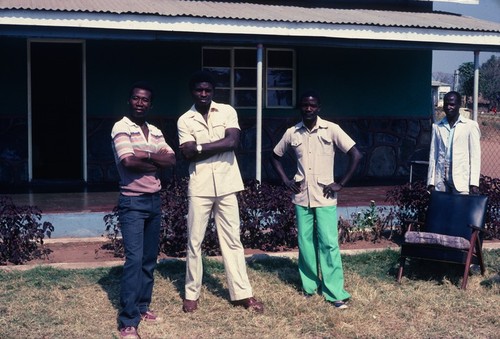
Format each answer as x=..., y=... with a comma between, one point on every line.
x=410, y=223
x=479, y=229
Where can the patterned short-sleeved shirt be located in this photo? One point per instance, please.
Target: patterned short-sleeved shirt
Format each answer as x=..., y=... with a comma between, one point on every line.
x=128, y=137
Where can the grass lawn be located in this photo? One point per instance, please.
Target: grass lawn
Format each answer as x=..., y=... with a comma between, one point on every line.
x=51, y=303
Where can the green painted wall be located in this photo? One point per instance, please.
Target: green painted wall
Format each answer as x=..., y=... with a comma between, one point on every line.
x=363, y=83
x=112, y=67
x=13, y=84
x=352, y=82
x=368, y=83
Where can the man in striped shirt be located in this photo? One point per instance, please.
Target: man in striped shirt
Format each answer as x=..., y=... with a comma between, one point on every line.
x=140, y=151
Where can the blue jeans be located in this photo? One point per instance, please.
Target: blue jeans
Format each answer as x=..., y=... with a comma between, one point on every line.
x=140, y=219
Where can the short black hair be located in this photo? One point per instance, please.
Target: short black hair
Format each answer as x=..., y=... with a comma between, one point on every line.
x=142, y=85
x=310, y=93
x=456, y=95
x=201, y=76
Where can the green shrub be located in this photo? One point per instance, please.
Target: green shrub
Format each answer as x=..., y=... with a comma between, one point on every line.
x=268, y=217
x=370, y=224
x=21, y=233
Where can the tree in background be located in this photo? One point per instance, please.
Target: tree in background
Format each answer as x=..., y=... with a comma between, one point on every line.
x=466, y=79
x=489, y=81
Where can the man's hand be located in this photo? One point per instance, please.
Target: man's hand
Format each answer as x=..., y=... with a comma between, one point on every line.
x=292, y=185
x=329, y=190
x=188, y=149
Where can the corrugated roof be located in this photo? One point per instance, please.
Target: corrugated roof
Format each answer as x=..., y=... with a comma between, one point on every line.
x=260, y=12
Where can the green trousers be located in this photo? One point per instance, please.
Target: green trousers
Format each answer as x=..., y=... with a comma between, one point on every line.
x=320, y=265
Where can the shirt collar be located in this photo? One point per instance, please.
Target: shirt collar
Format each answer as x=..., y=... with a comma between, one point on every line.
x=131, y=123
x=320, y=123
x=213, y=108
x=444, y=121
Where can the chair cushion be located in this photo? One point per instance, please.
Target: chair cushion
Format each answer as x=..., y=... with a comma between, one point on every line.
x=437, y=239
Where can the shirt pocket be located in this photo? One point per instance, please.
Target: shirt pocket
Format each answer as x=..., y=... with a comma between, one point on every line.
x=200, y=134
x=297, y=146
x=326, y=145
x=218, y=127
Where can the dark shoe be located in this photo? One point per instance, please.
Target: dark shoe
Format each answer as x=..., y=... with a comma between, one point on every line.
x=129, y=332
x=151, y=318
x=250, y=303
x=307, y=295
x=189, y=306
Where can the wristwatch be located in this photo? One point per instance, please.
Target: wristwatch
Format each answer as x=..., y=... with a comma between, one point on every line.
x=199, y=148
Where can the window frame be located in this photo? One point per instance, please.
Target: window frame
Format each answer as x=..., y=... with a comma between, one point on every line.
x=232, y=68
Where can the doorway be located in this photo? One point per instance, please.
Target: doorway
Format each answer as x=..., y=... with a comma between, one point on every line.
x=56, y=111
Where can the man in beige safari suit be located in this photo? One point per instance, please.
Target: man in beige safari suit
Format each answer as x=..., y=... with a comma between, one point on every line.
x=208, y=135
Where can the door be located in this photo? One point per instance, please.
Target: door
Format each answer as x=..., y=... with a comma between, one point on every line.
x=57, y=111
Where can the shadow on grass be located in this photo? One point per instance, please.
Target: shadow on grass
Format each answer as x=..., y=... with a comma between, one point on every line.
x=110, y=283
x=439, y=272
x=174, y=270
x=374, y=266
x=285, y=269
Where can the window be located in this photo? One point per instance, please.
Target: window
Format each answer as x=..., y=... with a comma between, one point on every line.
x=235, y=72
x=280, y=84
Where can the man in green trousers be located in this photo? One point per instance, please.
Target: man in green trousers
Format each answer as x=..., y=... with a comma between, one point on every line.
x=315, y=197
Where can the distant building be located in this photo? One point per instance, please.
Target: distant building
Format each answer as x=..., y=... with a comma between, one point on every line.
x=439, y=89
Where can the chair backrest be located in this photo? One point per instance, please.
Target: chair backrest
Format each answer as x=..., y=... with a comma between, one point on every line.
x=450, y=214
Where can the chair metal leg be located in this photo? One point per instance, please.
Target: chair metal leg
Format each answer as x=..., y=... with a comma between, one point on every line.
x=466, y=276
x=469, y=259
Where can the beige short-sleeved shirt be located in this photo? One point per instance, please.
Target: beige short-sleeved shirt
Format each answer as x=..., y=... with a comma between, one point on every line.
x=315, y=151
x=218, y=175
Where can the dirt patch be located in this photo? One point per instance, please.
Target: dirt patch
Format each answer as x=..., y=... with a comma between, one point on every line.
x=97, y=251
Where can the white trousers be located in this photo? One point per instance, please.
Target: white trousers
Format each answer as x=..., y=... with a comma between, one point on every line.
x=227, y=220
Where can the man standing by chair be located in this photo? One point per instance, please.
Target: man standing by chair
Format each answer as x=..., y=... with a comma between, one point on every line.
x=315, y=197
x=209, y=134
x=455, y=151
x=140, y=151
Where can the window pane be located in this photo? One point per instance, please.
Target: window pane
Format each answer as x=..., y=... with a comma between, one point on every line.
x=221, y=75
x=279, y=78
x=245, y=57
x=279, y=98
x=245, y=98
x=245, y=77
x=283, y=59
x=222, y=96
x=216, y=57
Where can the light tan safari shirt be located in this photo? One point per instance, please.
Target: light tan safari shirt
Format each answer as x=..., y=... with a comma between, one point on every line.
x=315, y=151
x=218, y=175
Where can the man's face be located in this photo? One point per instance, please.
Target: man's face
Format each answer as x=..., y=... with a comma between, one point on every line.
x=203, y=93
x=309, y=108
x=451, y=107
x=139, y=102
